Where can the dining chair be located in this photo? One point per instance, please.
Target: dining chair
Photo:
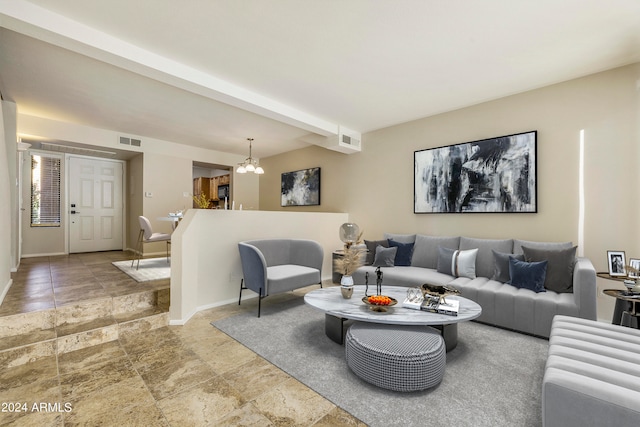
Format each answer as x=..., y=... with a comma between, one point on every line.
x=147, y=235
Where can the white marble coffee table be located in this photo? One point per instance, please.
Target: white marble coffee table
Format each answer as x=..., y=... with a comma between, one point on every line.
x=337, y=309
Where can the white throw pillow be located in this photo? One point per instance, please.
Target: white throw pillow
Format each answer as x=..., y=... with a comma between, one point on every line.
x=466, y=263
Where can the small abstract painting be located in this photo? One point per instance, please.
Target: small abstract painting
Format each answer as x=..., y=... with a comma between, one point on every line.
x=300, y=188
x=490, y=175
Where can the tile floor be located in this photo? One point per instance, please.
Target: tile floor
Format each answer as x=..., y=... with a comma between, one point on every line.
x=191, y=375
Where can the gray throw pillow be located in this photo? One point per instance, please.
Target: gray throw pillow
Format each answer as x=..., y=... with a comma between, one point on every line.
x=371, y=248
x=518, y=244
x=385, y=257
x=445, y=260
x=560, y=264
x=501, y=265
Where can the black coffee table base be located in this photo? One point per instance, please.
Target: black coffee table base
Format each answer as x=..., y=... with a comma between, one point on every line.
x=334, y=329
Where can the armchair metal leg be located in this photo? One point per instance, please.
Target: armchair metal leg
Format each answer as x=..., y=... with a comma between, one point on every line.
x=259, y=295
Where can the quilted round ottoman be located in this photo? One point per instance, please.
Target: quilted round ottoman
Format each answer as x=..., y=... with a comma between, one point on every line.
x=396, y=357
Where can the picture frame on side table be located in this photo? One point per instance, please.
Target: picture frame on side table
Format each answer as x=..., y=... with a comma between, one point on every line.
x=300, y=188
x=495, y=175
x=617, y=262
x=634, y=263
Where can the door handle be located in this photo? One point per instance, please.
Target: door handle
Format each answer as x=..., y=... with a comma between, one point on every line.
x=75, y=212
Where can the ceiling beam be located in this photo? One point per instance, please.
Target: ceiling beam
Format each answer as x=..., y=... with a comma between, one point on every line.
x=42, y=24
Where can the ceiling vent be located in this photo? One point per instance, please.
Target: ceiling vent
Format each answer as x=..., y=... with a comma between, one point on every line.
x=347, y=141
x=130, y=141
x=83, y=151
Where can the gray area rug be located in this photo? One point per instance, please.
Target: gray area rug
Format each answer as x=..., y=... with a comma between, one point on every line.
x=150, y=269
x=493, y=377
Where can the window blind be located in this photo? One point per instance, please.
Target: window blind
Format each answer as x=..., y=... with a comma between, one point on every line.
x=45, y=191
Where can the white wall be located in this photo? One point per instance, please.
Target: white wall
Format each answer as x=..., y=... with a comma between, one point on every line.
x=7, y=146
x=9, y=114
x=166, y=173
x=205, y=265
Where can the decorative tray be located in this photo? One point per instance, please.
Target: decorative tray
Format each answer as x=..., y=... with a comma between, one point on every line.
x=379, y=307
x=439, y=291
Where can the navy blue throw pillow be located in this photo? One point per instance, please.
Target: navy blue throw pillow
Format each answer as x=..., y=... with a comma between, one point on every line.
x=405, y=251
x=528, y=275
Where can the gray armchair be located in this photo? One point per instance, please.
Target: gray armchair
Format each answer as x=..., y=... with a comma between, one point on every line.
x=272, y=266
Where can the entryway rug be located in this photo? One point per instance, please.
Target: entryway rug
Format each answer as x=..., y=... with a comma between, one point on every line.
x=492, y=378
x=150, y=269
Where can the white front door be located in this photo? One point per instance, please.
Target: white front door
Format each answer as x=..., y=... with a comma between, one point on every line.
x=95, y=205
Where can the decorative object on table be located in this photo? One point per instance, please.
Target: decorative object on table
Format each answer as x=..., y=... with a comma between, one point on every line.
x=490, y=175
x=414, y=299
x=347, y=291
x=352, y=257
x=616, y=261
x=379, y=303
x=349, y=234
x=366, y=284
x=630, y=284
x=436, y=304
x=250, y=164
x=633, y=269
x=202, y=201
x=379, y=276
x=439, y=291
x=300, y=188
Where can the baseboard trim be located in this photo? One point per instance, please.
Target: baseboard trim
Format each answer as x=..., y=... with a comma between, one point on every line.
x=41, y=255
x=6, y=290
x=181, y=322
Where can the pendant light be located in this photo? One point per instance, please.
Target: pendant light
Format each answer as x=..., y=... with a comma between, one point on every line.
x=250, y=165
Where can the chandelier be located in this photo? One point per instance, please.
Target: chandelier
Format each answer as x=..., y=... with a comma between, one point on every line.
x=250, y=165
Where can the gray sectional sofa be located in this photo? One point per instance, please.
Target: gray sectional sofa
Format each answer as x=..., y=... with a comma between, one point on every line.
x=569, y=287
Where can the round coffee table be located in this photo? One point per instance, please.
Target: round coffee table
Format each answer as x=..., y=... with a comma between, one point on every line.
x=337, y=309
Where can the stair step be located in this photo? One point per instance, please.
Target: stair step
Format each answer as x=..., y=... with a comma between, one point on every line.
x=16, y=324
x=27, y=337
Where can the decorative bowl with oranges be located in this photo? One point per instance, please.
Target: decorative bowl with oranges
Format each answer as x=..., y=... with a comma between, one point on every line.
x=379, y=303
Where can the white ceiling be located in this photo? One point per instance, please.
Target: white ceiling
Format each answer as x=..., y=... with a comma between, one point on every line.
x=211, y=73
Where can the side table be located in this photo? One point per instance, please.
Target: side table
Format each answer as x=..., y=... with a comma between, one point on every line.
x=627, y=310
x=622, y=305
x=336, y=276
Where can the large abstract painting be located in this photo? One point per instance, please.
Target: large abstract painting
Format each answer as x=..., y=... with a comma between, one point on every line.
x=300, y=188
x=491, y=175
